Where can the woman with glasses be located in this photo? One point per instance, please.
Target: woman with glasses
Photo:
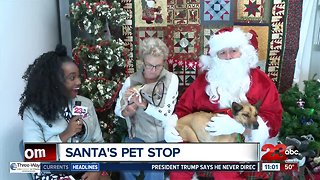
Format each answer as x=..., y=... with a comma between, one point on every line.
x=148, y=117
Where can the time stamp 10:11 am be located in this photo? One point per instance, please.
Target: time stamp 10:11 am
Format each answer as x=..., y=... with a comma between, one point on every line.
x=279, y=166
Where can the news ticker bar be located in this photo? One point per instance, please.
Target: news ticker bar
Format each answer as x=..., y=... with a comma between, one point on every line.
x=143, y=152
x=56, y=167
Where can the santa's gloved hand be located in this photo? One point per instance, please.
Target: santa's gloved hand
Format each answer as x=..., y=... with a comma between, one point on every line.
x=223, y=124
x=172, y=135
x=170, y=132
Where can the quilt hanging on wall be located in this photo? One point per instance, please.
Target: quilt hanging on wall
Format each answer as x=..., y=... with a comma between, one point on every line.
x=186, y=26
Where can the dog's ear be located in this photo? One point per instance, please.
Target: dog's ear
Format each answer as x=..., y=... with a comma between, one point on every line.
x=236, y=107
x=258, y=104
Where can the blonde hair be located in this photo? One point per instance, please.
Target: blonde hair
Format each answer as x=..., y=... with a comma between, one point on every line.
x=154, y=47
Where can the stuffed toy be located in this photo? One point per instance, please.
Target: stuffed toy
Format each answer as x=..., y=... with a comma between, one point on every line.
x=301, y=144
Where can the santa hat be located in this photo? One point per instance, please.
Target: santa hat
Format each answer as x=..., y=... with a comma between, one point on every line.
x=231, y=38
x=253, y=39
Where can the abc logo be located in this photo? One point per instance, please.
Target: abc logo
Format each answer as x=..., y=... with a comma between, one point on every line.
x=291, y=152
x=13, y=166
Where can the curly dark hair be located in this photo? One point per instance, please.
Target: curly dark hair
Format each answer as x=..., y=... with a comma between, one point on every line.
x=45, y=91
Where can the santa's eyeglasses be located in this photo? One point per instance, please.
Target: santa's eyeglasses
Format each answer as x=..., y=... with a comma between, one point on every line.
x=229, y=53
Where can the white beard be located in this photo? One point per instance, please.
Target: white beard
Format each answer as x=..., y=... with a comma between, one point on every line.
x=228, y=80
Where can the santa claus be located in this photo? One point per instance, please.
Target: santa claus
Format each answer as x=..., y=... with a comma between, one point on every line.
x=230, y=74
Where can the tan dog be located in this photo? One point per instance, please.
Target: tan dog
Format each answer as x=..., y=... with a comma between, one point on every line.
x=192, y=127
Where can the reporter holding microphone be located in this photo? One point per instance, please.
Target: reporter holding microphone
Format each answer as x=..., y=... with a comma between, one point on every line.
x=50, y=96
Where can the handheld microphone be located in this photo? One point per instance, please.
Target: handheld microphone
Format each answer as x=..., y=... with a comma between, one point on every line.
x=79, y=110
x=82, y=111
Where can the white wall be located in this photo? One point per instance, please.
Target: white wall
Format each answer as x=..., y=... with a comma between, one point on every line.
x=28, y=29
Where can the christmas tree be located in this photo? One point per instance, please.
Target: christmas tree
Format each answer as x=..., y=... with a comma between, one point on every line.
x=301, y=121
x=98, y=50
x=301, y=112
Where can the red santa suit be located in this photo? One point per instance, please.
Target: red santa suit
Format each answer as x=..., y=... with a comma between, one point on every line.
x=195, y=99
x=261, y=88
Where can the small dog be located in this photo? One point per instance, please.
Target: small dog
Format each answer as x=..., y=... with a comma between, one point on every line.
x=131, y=121
x=153, y=93
x=192, y=127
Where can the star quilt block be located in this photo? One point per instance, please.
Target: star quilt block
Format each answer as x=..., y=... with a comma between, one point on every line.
x=216, y=11
x=183, y=42
x=186, y=70
x=250, y=11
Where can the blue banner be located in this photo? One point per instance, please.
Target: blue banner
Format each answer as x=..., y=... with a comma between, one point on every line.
x=252, y=166
x=84, y=167
x=60, y=167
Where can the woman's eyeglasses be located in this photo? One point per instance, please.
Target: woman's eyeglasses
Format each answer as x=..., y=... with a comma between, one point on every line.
x=150, y=66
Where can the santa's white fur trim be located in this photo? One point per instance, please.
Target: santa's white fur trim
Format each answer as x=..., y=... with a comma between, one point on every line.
x=205, y=62
x=250, y=54
x=233, y=39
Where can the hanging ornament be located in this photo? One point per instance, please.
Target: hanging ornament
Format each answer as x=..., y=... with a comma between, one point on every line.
x=309, y=122
x=305, y=121
x=310, y=112
x=300, y=103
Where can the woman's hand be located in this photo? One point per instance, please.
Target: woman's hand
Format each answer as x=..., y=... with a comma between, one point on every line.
x=94, y=176
x=74, y=126
x=130, y=110
x=129, y=93
x=139, y=101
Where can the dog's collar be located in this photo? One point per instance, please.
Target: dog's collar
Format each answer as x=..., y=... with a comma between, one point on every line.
x=225, y=111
